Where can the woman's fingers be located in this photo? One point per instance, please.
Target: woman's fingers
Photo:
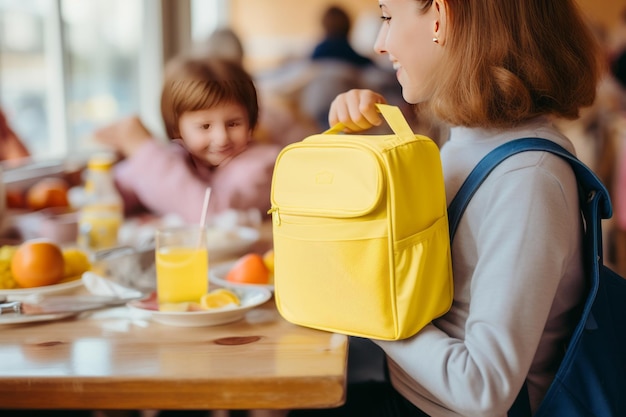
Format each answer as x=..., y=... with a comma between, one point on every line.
x=356, y=110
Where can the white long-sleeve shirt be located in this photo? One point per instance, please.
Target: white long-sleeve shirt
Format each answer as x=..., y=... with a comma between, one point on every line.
x=518, y=276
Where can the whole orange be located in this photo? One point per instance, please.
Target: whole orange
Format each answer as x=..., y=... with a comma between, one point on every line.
x=48, y=192
x=249, y=269
x=15, y=198
x=36, y=263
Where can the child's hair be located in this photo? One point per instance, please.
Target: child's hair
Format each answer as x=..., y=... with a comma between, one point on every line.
x=192, y=84
x=508, y=61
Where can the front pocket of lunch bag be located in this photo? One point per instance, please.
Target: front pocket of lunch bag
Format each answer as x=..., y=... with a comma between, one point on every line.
x=334, y=275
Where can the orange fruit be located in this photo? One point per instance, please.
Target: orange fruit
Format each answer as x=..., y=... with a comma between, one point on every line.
x=249, y=269
x=48, y=192
x=15, y=199
x=268, y=259
x=36, y=263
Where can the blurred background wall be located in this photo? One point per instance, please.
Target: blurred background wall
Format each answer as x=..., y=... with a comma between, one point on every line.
x=272, y=29
x=69, y=66
x=605, y=12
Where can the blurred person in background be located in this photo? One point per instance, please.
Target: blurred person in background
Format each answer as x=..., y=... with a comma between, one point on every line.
x=279, y=123
x=599, y=135
x=336, y=66
x=336, y=44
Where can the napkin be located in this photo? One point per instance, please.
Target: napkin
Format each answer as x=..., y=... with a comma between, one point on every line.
x=99, y=285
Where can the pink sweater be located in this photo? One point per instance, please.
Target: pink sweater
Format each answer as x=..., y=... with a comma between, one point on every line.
x=164, y=179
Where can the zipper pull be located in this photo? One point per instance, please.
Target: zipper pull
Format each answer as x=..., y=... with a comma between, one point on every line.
x=275, y=216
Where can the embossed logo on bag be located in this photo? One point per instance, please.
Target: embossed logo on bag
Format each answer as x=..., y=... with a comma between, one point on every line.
x=324, y=177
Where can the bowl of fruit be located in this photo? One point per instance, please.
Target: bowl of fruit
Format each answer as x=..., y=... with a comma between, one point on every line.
x=40, y=266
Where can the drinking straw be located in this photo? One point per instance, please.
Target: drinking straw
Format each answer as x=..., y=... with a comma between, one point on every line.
x=205, y=207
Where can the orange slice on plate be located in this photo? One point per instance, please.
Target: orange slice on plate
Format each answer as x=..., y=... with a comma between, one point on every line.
x=219, y=298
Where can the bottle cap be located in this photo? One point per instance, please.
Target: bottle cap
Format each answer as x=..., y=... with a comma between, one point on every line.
x=102, y=162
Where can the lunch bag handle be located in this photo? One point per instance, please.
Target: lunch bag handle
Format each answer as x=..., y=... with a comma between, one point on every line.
x=392, y=115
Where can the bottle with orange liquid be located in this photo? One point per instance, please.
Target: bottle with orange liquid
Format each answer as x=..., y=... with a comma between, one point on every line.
x=102, y=213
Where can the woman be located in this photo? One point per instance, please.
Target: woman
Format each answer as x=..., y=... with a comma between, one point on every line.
x=494, y=71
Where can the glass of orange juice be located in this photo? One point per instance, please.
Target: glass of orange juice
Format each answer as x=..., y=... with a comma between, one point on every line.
x=182, y=264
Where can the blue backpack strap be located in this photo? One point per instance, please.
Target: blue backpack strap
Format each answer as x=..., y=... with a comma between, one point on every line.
x=590, y=188
x=588, y=181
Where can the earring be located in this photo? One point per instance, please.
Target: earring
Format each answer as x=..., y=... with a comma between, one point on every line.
x=436, y=40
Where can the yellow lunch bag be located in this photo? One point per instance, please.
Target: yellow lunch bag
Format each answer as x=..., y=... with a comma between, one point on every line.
x=360, y=231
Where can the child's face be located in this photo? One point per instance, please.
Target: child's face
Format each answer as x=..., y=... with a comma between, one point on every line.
x=217, y=134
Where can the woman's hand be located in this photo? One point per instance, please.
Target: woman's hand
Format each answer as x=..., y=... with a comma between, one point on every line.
x=124, y=136
x=356, y=110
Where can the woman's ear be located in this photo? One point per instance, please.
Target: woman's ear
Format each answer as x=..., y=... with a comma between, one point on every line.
x=441, y=19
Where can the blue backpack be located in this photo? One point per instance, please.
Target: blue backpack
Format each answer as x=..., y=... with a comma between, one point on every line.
x=591, y=379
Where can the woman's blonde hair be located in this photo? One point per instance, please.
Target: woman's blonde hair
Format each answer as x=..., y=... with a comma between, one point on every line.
x=508, y=61
x=192, y=84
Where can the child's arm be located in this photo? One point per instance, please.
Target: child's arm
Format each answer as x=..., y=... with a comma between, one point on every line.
x=125, y=136
x=162, y=180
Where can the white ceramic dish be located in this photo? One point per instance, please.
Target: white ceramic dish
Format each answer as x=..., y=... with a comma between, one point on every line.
x=47, y=289
x=231, y=242
x=16, y=319
x=217, y=275
x=250, y=298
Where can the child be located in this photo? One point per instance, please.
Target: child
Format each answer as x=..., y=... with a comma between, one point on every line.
x=209, y=108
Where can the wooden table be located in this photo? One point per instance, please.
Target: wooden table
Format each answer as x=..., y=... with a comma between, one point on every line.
x=112, y=359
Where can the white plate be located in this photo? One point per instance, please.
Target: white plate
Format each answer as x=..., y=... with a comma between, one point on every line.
x=10, y=319
x=224, y=243
x=217, y=275
x=249, y=297
x=47, y=289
